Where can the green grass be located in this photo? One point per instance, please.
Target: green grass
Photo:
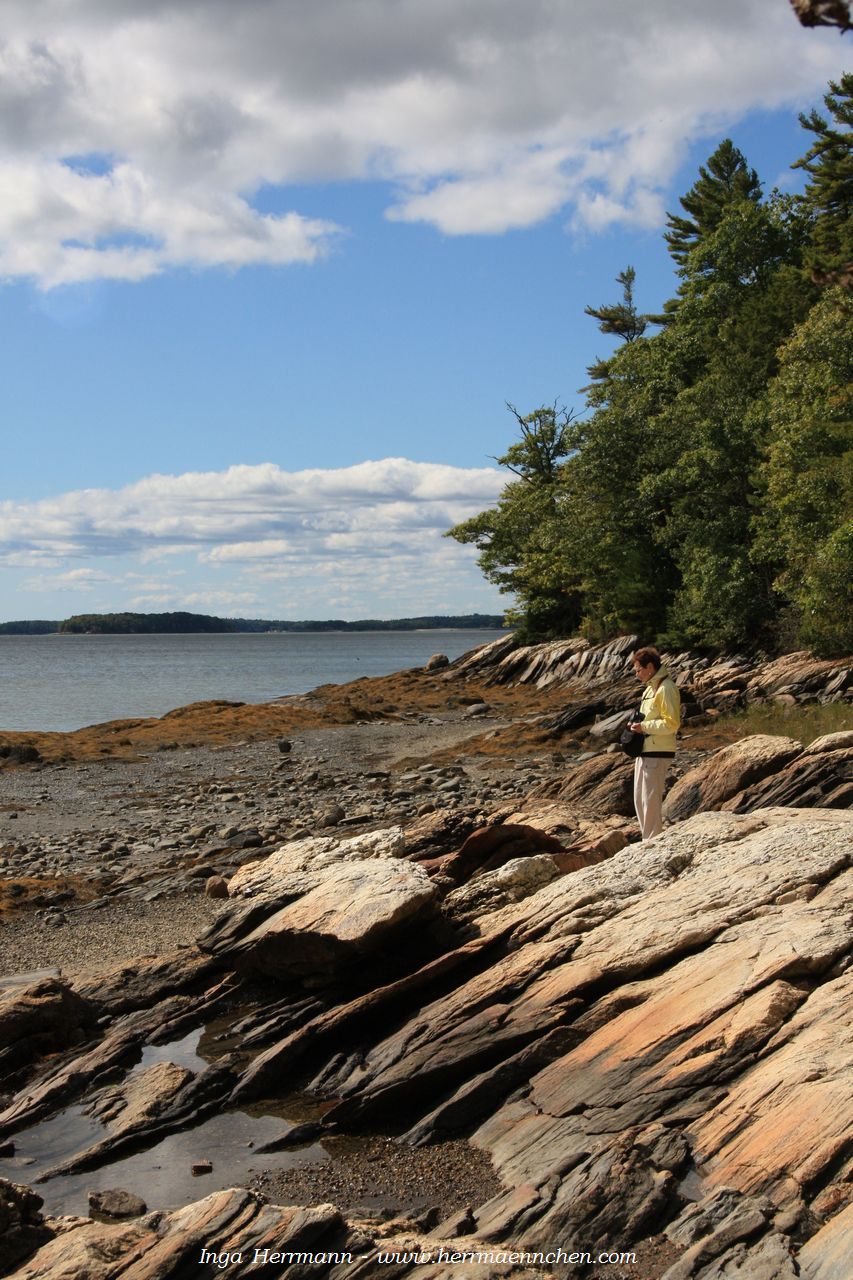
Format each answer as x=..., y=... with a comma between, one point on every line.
x=803, y=723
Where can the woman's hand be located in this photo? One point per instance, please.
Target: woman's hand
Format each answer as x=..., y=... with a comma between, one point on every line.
x=637, y=727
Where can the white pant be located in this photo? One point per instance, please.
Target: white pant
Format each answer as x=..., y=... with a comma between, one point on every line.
x=649, y=777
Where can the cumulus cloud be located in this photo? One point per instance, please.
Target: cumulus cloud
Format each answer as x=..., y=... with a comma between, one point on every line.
x=135, y=134
x=259, y=520
x=356, y=541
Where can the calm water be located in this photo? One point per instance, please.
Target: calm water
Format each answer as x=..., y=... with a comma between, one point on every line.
x=66, y=682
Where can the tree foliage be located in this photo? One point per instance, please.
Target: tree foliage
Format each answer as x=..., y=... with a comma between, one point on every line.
x=705, y=498
x=829, y=194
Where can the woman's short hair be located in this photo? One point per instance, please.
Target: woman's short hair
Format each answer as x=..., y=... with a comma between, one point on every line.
x=647, y=656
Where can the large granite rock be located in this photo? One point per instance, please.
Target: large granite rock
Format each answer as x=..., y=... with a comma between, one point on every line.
x=492, y=847
x=344, y=912
x=727, y=772
x=301, y=865
x=515, y=880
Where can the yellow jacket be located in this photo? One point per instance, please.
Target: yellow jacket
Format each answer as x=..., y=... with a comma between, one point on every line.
x=660, y=713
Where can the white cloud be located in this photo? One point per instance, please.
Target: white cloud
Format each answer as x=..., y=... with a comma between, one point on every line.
x=134, y=135
x=360, y=541
x=250, y=516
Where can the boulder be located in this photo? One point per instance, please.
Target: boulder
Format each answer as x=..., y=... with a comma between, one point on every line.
x=601, y=786
x=301, y=864
x=22, y=1228
x=513, y=881
x=116, y=1203
x=44, y=1017
x=436, y=662
x=344, y=912
x=124, y=1107
x=728, y=771
x=490, y=847
x=216, y=887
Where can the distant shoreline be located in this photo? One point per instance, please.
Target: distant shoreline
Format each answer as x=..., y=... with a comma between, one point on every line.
x=279, y=631
x=182, y=623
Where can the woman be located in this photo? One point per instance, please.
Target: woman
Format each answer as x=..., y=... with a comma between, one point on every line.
x=660, y=717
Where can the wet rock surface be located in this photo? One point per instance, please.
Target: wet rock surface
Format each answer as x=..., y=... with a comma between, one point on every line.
x=507, y=1020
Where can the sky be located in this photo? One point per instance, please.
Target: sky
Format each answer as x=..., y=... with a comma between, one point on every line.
x=271, y=270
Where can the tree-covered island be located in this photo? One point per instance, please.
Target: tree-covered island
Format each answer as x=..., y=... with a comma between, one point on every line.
x=188, y=623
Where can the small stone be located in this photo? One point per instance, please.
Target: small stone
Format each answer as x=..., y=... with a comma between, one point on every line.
x=200, y=1167
x=331, y=817
x=216, y=887
x=284, y=746
x=116, y=1204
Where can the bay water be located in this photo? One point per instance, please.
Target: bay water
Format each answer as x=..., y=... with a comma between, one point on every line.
x=64, y=682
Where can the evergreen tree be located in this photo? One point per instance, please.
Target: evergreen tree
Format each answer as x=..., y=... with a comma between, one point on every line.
x=708, y=496
x=520, y=540
x=829, y=193
x=726, y=181
x=621, y=318
x=805, y=524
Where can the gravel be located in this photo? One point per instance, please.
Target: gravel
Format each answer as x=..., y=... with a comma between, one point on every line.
x=377, y=1176
x=106, y=861
x=96, y=941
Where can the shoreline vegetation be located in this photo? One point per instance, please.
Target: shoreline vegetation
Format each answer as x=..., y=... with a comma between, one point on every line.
x=702, y=498
x=182, y=623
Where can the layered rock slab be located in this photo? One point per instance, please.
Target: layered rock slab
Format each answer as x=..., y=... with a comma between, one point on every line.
x=228, y=1225
x=728, y=772
x=821, y=778
x=317, y=905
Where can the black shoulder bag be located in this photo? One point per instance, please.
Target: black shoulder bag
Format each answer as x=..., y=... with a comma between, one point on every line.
x=629, y=742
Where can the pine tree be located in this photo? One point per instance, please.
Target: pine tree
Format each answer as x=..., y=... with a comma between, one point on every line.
x=829, y=194
x=621, y=318
x=726, y=181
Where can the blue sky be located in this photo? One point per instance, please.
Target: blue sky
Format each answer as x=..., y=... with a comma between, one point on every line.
x=266, y=286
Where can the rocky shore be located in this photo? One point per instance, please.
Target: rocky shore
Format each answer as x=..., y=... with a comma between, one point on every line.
x=410, y=919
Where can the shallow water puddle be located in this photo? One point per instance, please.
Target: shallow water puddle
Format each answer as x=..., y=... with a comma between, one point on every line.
x=162, y=1173
x=182, y=1052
